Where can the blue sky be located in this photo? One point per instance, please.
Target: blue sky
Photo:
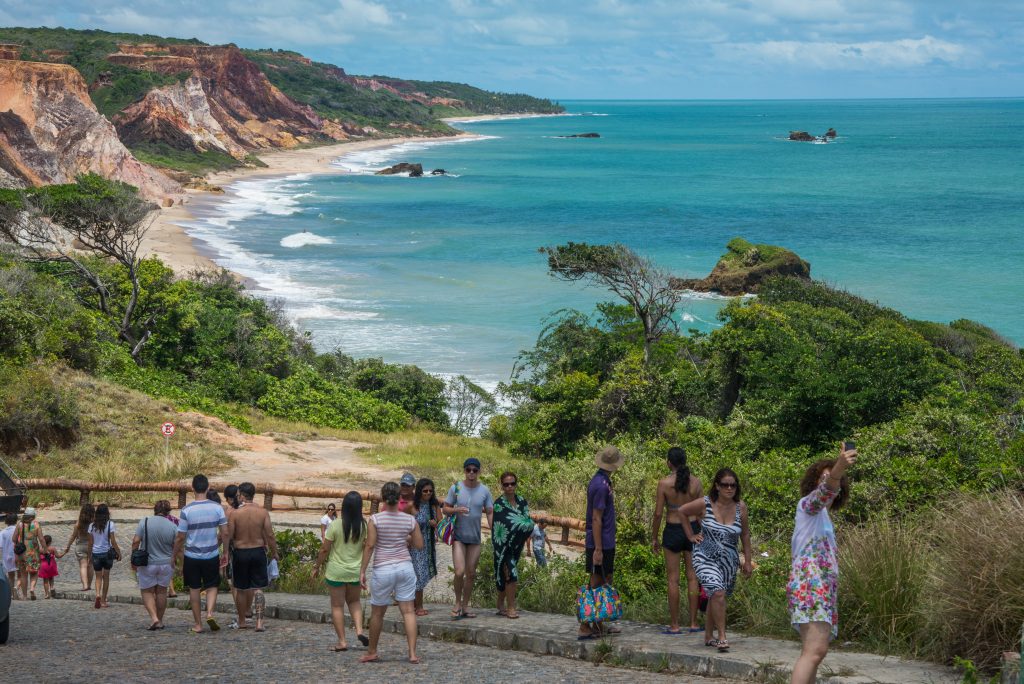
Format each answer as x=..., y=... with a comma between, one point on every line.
x=616, y=49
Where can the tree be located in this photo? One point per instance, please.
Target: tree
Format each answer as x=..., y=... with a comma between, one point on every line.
x=470, y=404
x=634, y=278
x=62, y=224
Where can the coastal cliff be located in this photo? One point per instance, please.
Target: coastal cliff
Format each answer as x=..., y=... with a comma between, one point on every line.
x=226, y=104
x=744, y=267
x=50, y=132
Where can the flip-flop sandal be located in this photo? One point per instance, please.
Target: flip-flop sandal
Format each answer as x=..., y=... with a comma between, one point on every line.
x=512, y=615
x=260, y=629
x=336, y=649
x=585, y=637
x=469, y=616
x=613, y=630
x=369, y=659
x=153, y=627
x=363, y=639
x=214, y=627
x=456, y=613
x=711, y=643
x=501, y=613
x=672, y=632
x=723, y=645
x=693, y=630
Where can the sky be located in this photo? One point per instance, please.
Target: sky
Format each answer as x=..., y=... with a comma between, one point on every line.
x=610, y=49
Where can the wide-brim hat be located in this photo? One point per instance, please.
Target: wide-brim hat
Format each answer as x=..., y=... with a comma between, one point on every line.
x=609, y=458
x=30, y=512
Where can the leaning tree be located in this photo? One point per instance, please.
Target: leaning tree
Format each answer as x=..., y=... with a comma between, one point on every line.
x=65, y=224
x=636, y=279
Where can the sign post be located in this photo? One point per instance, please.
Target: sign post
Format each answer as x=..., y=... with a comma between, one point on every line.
x=167, y=429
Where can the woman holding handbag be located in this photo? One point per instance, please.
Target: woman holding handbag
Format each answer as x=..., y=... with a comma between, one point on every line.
x=28, y=542
x=83, y=545
x=427, y=510
x=105, y=552
x=152, y=549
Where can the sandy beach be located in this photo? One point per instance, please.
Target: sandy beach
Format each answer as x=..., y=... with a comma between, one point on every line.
x=168, y=240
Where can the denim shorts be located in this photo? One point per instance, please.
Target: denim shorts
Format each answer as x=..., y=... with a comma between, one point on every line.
x=397, y=578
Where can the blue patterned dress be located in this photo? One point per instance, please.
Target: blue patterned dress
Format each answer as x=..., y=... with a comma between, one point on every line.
x=424, y=561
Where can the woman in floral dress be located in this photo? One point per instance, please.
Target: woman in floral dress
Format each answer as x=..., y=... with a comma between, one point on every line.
x=427, y=510
x=512, y=528
x=813, y=585
x=29, y=533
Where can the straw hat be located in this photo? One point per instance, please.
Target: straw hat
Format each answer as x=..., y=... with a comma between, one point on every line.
x=609, y=458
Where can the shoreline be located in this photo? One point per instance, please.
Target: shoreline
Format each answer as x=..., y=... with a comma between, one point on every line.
x=170, y=241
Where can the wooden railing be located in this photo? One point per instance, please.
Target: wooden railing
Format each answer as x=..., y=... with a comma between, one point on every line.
x=268, y=492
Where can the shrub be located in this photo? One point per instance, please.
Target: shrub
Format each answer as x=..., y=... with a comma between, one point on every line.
x=417, y=392
x=36, y=409
x=297, y=552
x=313, y=399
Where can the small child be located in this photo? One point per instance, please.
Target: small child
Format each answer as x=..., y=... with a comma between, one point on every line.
x=48, y=566
x=539, y=540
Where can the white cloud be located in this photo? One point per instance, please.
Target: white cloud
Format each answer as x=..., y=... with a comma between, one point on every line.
x=895, y=54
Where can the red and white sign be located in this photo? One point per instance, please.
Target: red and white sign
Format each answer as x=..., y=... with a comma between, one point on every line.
x=167, y=429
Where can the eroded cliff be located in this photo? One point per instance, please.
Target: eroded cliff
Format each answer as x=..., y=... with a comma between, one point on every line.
x=50, y=132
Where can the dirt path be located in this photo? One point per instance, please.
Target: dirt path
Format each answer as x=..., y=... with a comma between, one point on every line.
x=287, y=459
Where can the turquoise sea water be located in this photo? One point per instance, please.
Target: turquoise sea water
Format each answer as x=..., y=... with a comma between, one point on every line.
x=919, y=204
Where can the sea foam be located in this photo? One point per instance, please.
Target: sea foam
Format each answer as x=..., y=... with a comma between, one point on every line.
x=296, y=240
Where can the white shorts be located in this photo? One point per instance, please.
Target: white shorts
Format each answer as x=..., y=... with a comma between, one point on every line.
x=397, y=578
x=10, y=564
x=155, y=576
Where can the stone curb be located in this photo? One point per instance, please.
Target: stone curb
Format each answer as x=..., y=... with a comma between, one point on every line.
x=604, y=651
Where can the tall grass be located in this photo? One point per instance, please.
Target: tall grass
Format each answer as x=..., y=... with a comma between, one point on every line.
x=973, y=605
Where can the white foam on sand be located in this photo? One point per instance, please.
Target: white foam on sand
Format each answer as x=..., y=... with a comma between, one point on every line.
x=296, y=240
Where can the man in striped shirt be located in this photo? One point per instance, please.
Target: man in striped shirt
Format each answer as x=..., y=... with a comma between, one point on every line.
x=202, y=530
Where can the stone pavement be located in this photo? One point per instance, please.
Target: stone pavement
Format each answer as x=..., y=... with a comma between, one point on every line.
x=69, y=641
x=640, y=645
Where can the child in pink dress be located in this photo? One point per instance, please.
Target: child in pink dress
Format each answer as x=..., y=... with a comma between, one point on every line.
x=48, y=566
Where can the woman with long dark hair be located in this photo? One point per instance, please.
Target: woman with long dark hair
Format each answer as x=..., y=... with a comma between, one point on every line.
x=716, y=557
x=342, y=549
x=105, y=552
x=677, y=489
x=427, y=511
x=329, y=516
x=813, y=587
x=83, y=545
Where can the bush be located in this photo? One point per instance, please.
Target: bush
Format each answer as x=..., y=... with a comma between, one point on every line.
x=297, y=552
x=36, y=409
x=417, y=392
x=310, y=398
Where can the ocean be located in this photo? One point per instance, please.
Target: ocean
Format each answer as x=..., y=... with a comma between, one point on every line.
x=918, y=204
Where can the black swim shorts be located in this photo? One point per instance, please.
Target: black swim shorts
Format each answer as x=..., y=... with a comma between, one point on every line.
x=201, y=573
x=674, y=538
x=249, y=568
x=607, y=566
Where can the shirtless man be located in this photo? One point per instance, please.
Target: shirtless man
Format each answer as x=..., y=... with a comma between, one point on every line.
x=250, y=535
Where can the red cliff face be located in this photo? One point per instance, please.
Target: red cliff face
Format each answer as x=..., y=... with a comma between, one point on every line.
x=227, y=104
x=50, y=132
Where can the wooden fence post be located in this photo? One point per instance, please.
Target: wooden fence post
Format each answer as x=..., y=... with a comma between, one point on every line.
x=565, y=535
x=181, y=499
x=268, y=497
x=83, y=497
x=374, y=506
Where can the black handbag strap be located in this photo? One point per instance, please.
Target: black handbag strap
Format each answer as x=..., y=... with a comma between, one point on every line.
x=145, y=533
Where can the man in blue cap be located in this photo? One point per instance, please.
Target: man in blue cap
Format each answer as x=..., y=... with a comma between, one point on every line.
x=468, y=500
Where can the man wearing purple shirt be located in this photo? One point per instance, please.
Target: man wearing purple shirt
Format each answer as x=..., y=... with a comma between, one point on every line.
x=600, y=541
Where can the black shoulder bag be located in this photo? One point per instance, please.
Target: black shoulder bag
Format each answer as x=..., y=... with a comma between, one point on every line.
x=19, y=546
x=140, y=557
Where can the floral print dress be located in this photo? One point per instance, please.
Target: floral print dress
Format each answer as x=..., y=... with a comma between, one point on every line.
x=424, y=561
x=813, y=585
x=512, y=528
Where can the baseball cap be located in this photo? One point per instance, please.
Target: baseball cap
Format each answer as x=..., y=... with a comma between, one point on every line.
x=408, y=479
x=471, y=461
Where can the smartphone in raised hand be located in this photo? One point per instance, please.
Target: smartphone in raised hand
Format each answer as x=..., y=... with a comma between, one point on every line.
x=848, y=445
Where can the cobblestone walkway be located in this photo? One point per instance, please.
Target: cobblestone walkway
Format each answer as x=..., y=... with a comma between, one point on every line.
x=70, y=641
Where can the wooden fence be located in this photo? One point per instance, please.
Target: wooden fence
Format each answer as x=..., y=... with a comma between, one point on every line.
x=269, y=491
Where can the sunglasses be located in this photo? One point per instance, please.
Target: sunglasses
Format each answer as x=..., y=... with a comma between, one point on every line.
x=727, y=485
x=428, y=491
x=509, y=484
x=472, y=470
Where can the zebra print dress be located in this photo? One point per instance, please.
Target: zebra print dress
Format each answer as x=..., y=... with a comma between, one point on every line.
x=717, y=559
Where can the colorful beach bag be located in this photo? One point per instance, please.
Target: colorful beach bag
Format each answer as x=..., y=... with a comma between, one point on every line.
x=446, y=528
x=598, y=604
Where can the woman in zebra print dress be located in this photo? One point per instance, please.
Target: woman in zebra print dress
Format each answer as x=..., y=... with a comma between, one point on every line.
x=716, y=556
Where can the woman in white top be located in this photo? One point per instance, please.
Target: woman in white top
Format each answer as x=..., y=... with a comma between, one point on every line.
x=389, y=535
x=330, y=515
x=104, y=552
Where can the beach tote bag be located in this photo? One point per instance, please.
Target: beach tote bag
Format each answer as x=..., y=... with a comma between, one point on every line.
x=446, y=529
x=598, y=604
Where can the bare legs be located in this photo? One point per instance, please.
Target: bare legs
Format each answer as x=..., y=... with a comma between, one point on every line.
x=815, y=636
x=692, y=590
x=716, y=617
x=339, y=597
x=465, y=558
x=102, y=587
x=420, y=610
x=85, y=572
x=672, y=575
x=154, y=600
x=243, y=604
x=195, y=600
x=507, y=596
x=12, y=579
x=377, y=622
